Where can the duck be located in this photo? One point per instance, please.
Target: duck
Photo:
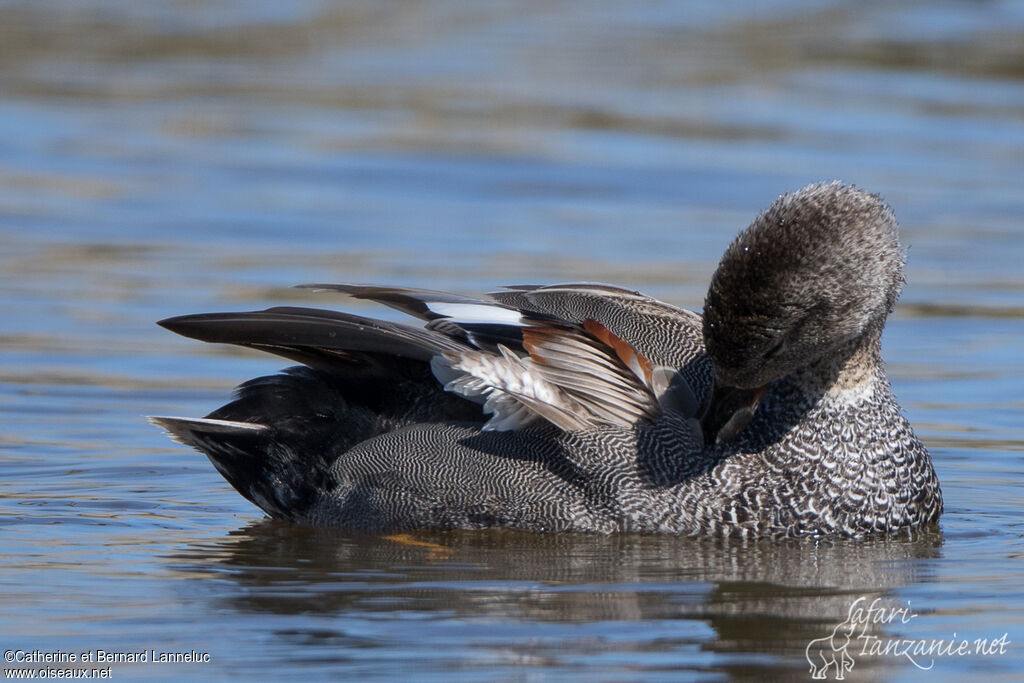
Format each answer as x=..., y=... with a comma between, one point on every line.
x=586, y=407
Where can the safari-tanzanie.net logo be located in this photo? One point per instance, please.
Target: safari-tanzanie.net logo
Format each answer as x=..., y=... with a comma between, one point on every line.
x=857, y=636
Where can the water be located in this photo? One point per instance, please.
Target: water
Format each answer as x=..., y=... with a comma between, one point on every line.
x=160, y=158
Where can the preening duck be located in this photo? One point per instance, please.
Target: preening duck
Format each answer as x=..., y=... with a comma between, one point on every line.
x=586, y=407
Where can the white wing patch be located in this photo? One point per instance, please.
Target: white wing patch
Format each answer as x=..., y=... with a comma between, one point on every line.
x=477, y=313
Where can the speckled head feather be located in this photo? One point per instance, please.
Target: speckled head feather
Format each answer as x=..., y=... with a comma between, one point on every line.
x=820, y=267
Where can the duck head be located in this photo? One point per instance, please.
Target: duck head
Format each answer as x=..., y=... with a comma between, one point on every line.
x=817, y=271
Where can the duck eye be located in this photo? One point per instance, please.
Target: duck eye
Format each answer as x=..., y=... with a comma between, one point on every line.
x=775, y=349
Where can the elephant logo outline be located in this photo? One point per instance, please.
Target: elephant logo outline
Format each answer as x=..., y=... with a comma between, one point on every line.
x=832, y=651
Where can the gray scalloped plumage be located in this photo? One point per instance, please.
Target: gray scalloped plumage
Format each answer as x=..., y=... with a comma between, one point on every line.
x=799, y=433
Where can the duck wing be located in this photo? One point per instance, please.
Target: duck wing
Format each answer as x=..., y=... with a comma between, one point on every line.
x=665, y=334
x=314, y=337
x=527, y=364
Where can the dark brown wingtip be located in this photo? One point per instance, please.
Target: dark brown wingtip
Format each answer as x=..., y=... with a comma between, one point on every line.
x=206, y=327
x=179, y=324
x=214, y=328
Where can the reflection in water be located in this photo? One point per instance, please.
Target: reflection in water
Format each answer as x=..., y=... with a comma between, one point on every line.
x=723, y=596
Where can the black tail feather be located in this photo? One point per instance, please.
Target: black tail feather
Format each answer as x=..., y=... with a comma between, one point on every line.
x=248, y=456
x=276, y=442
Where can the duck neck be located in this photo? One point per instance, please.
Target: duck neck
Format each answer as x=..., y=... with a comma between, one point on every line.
x=848, y=373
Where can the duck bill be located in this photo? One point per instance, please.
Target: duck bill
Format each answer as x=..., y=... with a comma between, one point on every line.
x=727, y=411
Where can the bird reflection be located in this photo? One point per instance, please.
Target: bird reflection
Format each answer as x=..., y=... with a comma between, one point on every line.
x=724, y=597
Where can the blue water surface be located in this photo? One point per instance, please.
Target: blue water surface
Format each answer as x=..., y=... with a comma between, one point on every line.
x=161, y=158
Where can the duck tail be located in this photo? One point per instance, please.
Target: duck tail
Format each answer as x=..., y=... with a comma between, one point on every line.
x=249, y=457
